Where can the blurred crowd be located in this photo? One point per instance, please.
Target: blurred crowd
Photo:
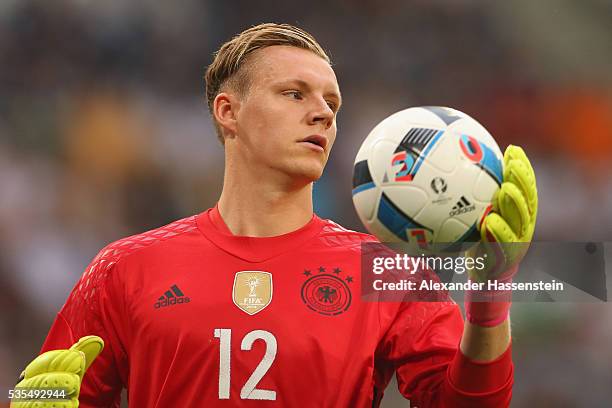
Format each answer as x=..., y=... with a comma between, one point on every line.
x=104, y=132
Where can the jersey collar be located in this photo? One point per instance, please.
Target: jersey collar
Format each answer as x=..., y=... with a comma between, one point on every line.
x=255, y=249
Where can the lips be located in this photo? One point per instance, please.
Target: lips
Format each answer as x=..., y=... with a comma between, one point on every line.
x=316, y=140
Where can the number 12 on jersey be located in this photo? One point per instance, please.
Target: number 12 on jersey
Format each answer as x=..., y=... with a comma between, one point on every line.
x=248, y=391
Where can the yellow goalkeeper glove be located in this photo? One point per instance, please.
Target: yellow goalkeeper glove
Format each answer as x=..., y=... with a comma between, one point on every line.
x=511, y=222
x=506, y=233
x=516, y=205
x=57, y=369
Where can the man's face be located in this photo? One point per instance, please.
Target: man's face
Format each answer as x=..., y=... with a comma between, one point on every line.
x=286, y=122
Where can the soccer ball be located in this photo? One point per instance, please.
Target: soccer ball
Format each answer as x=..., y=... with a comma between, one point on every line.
x=426, y=175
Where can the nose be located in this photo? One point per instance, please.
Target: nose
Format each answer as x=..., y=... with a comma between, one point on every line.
x=321, y=113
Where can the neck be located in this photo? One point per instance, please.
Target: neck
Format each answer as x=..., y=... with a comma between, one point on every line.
x=256, y=205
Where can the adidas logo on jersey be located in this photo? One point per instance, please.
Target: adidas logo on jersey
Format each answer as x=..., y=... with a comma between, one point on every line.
x=171, y=297
x=463, y=206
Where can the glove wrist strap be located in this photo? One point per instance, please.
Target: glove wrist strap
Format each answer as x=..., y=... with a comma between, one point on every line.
x=489, y=308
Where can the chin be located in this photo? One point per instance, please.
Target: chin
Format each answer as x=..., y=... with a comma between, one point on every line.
x=308, y=173
x=310, y=177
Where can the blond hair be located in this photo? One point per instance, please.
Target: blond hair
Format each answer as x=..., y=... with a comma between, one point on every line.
x=230, y=68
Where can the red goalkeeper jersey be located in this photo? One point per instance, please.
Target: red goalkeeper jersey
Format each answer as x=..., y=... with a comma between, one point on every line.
x=193, y=316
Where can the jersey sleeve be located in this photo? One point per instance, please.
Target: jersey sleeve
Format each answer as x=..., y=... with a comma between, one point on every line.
x=96, y=306
x=422, y=347
x=418, y=345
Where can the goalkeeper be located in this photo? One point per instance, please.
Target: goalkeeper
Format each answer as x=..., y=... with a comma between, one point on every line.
x=256, y=301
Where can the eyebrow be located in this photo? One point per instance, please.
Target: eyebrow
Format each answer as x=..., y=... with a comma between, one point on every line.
x=304, y=84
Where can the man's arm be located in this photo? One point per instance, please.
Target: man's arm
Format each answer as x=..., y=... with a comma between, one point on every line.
x=95, y=307
x=480, y=373
x=485, y=343
x=421, y=345
x=505, y=236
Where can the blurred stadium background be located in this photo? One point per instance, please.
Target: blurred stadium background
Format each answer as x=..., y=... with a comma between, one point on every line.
x=104, y=132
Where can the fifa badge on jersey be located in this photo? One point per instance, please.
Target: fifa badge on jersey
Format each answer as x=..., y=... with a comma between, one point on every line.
x=252, y=291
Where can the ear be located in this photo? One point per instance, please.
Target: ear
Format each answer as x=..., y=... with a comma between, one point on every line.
x=225, y=108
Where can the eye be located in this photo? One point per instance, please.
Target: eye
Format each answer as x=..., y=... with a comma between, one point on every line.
x=332, y=105
x=297, y=95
